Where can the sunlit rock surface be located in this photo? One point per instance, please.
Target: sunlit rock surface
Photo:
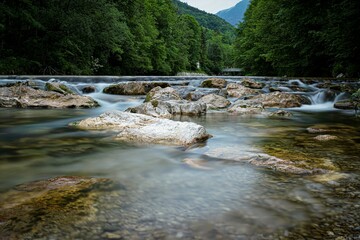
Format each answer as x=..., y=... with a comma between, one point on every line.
x=141, y=128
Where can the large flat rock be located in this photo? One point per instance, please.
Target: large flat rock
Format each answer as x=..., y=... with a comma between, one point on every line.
x=141, y=128
x=21, y=96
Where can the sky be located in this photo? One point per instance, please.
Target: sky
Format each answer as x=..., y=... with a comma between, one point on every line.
x=212, y=6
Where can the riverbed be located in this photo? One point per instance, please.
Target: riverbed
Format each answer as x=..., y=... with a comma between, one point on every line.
x=163, y=197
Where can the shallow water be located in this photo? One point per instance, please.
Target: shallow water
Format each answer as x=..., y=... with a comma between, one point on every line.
x=164, y=198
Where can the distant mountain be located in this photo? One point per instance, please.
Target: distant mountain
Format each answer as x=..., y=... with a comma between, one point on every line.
x=235, y=14
x=207, y=20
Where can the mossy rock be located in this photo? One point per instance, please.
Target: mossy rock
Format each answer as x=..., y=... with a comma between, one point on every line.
x=59, y=88
x=50, y=204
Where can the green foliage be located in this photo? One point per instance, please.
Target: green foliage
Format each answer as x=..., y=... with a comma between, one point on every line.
x=121, y=37
x=313, y=38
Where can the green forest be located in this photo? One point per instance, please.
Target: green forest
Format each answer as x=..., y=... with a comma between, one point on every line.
x=117, y=37
x=164, y=37
x=300, y=38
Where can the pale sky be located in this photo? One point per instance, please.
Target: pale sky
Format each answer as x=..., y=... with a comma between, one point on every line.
x=212, y=6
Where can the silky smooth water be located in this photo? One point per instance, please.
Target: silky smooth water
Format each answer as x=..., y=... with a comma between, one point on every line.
x=164, y=198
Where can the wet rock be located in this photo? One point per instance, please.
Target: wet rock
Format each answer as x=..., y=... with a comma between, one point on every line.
x=281, y=113
x=134, y=88
x=214, y=101
x=262, y=160
x=166, y=109
x=50, y=204
x=195, y=163
x=214, y=83
x=278, y=100
x=58, y=87
x=247, y=82
x=324, y=138
x=242, y=107
x=140, y=128
x=88, y=89
x=239, y=91
x=345, y=104
x=162, y=94
x=27, y=97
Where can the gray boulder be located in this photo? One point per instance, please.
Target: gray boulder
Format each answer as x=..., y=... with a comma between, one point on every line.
x=162, y=94
x=214, y=101
x=167, y=109
x=214, y=83
x=26, y=97
x=278, y=100
x=239, y=91
x=141, y=128
x=247, y=82
x=133, y=88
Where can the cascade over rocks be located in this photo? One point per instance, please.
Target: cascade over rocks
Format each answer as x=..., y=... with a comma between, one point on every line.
x=141, y=128
x=214, y=101
x=214, y=83
x=239, y=91
x=166, y=109
x=19, y=96
x=134, y=88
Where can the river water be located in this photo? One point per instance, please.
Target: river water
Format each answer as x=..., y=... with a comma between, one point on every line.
x=164, y=198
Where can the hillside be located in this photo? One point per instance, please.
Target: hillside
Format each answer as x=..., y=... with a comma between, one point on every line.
x=207, y=20
x=235, y=14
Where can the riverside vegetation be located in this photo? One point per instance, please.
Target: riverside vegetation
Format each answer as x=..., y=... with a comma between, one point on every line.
x=164, y=37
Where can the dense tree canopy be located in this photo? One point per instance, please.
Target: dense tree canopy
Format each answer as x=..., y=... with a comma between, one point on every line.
x=132, y=37
x=303, y=38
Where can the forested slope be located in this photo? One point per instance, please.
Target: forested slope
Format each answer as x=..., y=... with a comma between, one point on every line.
x=118, y=37
x=300, y=38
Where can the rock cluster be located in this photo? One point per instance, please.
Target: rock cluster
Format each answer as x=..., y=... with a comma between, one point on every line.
x=22, y=96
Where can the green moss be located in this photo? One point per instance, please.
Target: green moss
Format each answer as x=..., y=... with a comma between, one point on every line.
x=155, y=103
x=147, y=98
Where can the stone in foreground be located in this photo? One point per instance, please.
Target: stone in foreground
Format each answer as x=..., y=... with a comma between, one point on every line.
x=140, y=128
x=31, y=210
x=19, y=96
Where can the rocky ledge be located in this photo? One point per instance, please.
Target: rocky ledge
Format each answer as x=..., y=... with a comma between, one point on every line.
x=22, y=96
x=140, y=128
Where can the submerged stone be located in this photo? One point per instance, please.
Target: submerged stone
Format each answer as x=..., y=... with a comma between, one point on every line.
x=49, y=205
x=141, y=128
